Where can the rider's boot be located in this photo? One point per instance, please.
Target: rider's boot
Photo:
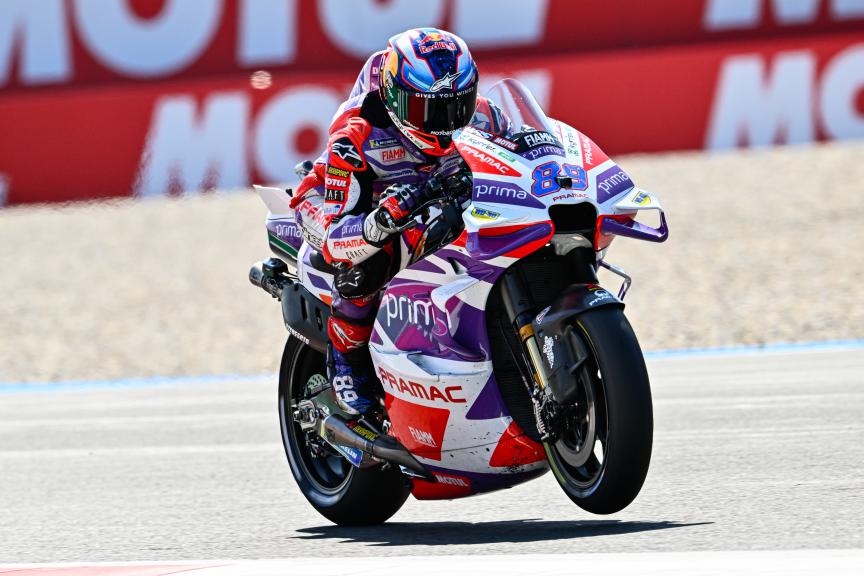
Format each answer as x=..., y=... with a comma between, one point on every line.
x=350, y=375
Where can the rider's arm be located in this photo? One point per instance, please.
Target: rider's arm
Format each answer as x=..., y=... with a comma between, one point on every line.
x=348, y=197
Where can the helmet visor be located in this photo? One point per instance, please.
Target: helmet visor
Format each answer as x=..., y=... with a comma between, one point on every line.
x=436, y=114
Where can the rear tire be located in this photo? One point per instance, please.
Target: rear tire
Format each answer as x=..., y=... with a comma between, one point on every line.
x=343, y=494
x=621, y=422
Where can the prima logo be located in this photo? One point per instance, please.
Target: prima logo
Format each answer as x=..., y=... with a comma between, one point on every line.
x=287, y=231
x=500, y=191
x=613, y=181
x=404, y=309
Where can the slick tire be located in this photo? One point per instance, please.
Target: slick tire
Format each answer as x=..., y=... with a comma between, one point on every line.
x=626, y=412
x=343, y=494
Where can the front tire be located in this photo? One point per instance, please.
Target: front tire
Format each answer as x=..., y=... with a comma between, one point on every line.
x=343, y=494
x=602, y=458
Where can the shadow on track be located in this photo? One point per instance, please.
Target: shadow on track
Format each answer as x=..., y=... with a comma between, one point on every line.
x=447, y=533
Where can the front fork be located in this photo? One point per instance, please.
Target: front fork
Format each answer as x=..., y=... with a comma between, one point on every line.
x=544, y=385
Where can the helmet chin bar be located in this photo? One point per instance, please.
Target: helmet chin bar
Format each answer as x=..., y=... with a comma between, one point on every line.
x=427, y=143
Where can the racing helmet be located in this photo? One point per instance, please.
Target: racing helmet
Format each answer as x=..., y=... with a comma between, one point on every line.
x=429, y=87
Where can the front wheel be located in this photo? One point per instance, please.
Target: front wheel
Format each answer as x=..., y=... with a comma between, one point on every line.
x=343, y=494
x=601, y=454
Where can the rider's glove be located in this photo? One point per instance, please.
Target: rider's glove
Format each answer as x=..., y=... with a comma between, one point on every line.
x=397, y=203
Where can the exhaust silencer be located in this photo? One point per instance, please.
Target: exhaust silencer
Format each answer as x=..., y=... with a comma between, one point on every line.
x=337, y=430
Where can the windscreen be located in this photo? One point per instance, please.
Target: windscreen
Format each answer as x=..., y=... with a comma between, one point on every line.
x=519, y=105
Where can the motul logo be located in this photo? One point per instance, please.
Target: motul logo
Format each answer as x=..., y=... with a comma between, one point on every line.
x=744, y=14
x=789, y=98
x=451, y=480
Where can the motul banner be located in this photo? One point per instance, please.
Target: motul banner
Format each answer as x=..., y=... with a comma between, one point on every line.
x=190, y=135
x=50, y=43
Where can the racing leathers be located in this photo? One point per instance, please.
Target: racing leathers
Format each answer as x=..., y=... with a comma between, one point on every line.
x=369, y=173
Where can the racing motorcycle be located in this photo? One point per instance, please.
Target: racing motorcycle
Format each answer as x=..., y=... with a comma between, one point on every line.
x=499, y=353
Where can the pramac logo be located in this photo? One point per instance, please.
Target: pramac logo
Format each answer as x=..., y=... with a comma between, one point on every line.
x=482, y=162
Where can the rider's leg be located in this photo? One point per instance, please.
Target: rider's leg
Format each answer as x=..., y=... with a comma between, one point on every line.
x=355, y=303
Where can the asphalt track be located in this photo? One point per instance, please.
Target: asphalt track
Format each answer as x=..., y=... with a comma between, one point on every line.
x=754, y=451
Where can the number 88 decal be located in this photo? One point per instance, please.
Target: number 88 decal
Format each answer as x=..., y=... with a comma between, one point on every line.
x=545, y=178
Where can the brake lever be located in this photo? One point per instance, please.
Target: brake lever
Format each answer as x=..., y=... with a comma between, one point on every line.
x=411, y=221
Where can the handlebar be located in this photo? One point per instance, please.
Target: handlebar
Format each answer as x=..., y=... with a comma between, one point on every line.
x=445, y=192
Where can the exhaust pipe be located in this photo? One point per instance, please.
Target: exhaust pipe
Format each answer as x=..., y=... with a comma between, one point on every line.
x=336, y=430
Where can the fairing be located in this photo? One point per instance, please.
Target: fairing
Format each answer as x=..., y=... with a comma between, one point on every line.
x=429, y=344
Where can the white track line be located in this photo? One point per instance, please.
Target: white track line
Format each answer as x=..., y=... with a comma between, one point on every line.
x=763, y=563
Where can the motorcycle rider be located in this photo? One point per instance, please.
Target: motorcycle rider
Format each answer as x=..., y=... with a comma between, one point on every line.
x=386, y=141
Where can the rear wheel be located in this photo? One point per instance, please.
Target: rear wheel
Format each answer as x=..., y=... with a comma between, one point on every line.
x=343, y=494
x=602, y=452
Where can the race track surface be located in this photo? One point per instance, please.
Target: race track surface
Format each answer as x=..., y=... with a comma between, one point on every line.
x=757, y=451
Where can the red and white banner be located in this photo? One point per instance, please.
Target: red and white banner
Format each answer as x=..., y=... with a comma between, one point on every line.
x=103, y=98
x=48, y=43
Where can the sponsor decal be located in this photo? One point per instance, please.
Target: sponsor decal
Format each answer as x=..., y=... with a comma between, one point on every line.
x=384, y=143
x=483, y=214
x=591, y=155
x=642, y=199
x=393, y=154
x=569, y=196
x=546, y=178
x=505, y=143
x=482, y=133
x=422, y=437
x=482, y=162
x=451, y=480
x=348, y=244
x=308, y=210
x=599, y=295
x=361, y=430
x=343, y=386
x=344, y=149
x=543, y=150
x=425, y=168
x=353, y=455
x=539, y=138
x=432, y=393
x=297, y=334
x=611, y=183
x=331, y=195
x=587, y=152
x=548, y=351
x=573, y=147
x=334, y=171
x=542, y=314
x=503, y=193
x=332, y=182
x=445, y=82
x=400, y=310
x=352, y=229
x=287, y=230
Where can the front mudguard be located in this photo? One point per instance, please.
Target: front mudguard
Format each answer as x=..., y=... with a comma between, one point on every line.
x=552, y=329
